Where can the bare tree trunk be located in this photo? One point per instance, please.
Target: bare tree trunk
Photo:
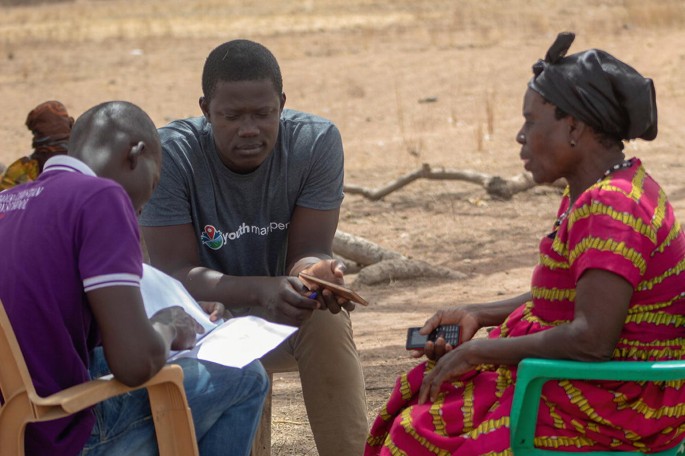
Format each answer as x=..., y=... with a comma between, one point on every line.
x=405, y=268
x=361, y=250
x=377, y=264
x=497, y=187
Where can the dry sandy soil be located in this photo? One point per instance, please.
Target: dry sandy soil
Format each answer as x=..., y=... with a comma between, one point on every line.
x=408, y=82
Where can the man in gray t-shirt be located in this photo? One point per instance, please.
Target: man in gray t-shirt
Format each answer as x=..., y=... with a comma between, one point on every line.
x=249, y=197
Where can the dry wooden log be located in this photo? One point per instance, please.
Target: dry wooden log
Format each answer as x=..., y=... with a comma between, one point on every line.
x=403, y=268
x=496, y=186
x=507, y=188
x=360, y=250
x=351, y=267
x=376, y=264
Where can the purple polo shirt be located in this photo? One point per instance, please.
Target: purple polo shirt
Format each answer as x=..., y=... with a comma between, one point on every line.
x=63, y=235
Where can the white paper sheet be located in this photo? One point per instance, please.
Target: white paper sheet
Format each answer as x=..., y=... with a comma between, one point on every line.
x=235, y=342
x=239, y=341
x=160, y=291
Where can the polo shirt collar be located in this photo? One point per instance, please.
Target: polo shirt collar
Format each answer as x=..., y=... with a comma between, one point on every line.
x=67, y=163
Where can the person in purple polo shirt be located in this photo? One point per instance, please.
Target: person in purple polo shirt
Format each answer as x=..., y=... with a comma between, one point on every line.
x=70, y=282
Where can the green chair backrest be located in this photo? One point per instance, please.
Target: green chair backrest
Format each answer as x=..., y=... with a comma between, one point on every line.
x=533, y=373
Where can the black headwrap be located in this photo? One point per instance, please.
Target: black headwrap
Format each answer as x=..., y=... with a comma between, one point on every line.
x=597, y=88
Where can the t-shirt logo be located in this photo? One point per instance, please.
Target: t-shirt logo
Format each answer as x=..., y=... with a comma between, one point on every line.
x=212, y=238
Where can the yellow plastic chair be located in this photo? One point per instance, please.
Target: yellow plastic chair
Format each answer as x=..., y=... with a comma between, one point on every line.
x=533, y=373
x=173, y=421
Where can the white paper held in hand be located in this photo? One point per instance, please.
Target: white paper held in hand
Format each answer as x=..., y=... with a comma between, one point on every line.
x=235, y=342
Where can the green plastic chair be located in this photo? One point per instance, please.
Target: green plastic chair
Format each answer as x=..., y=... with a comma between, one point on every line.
x=533, y=373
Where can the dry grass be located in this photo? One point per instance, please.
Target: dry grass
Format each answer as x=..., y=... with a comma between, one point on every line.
x=484, y=22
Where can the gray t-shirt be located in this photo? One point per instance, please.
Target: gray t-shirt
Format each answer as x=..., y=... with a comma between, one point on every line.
x=241, y=220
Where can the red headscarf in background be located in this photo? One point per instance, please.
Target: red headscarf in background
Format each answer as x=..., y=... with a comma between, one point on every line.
x=51, y=125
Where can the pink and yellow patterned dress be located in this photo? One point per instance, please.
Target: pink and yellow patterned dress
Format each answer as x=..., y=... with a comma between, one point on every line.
x=623, y=224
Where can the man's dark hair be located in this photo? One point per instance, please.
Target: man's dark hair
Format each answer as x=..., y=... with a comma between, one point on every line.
x=240, y=60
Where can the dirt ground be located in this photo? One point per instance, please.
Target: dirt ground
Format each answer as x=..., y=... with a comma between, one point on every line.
x=407, y=82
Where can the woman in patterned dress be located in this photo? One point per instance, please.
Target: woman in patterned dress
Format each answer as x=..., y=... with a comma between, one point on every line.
x=609, y=284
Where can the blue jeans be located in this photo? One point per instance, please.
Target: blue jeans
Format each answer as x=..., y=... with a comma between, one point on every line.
x=226, y=405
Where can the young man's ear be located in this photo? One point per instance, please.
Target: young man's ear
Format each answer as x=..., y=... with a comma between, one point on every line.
x=134, y=154
x=204, y=106
x=282, y=100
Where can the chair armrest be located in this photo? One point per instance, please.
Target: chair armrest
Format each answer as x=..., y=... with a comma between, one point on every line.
x=79, y=397
x=172, y=417
x=604, y=370
x=532, y=374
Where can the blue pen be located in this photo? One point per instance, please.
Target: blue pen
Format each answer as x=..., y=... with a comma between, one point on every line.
x=313, y=295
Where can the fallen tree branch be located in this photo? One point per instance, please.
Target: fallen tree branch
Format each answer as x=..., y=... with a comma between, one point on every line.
x=495, y=186
x=403, y=268
x=376, y=264
x=507, y=188
x=360, y=250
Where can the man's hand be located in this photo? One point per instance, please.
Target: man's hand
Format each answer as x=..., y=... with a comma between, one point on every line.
x=184, y=329
x=285, y=299
x=331, y=271
x=214, y=309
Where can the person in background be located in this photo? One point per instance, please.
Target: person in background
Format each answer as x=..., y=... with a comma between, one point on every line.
x=609, y=285
x=51, y=126
x=72, y=294
x=249, y=197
